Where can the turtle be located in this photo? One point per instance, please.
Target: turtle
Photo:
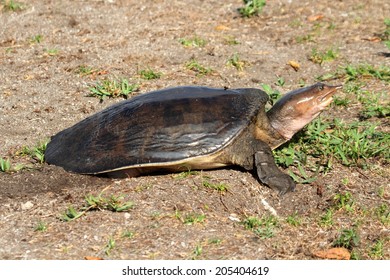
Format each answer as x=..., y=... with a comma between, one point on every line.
x=189, y=128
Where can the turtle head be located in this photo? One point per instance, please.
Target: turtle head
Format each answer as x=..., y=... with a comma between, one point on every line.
x=299, y=107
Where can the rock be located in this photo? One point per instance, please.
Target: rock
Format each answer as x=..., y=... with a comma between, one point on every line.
x=27, y=206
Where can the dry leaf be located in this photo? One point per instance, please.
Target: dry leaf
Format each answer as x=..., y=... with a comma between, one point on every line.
x=315, y=17
x=28, y=77
x=102, y=72
x=221, y=28
x=89, y=258
x=294, y=64
x=373, y=39
x=338, y=253
x=262, y=53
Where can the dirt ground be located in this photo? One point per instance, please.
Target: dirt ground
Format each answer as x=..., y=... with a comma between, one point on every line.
x=42, y=47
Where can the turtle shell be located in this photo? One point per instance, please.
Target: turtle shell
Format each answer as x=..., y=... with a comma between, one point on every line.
x=156, y=128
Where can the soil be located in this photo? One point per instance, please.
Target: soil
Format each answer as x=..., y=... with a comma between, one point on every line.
x=42, y=92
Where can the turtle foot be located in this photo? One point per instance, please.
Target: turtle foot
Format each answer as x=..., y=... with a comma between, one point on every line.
x=270, y=174
x=282, y=183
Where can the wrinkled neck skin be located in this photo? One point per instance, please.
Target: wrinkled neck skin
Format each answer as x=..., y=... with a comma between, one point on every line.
x=289, y=124
x=298, y=108
x=268, y=134
x=264, y=131
x=286, y=127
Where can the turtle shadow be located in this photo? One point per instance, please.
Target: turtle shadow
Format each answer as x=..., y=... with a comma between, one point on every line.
x=384, y=54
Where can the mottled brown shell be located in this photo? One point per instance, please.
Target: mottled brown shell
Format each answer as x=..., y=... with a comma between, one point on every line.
x=156, y=128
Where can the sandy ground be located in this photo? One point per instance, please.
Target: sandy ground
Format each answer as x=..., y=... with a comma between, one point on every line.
x=42, y=91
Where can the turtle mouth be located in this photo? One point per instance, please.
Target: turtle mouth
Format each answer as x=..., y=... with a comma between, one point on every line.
x=326, y=98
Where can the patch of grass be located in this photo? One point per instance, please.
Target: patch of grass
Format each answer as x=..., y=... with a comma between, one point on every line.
x=345, y=181
x=36, y=39
x=5, y=165
x=71, y=214
x=320, y=57
x=296, y=154
x=252, y=8
x=295, y=23
x=11, y=5
x=318, y=28
x=331, y=26
x=348, y=238
x=385, y=36
x=185, y=174
x=110, y=246
x=36, y=152
x=305, y=38
x=197, y=251
x=149, y=74
x=236, y=62
x=358, y=72
x=178, y=215
x=111, y=203
x=377, y=250
x=112, y=88
x=143, y=187
x=280, y=81
x=379, y=111
x=302, y=82
x=351, y=144
x=41, y=226
x=273, y=94
x=193, y=218
x=100, y=202
x=367, y=71
x=52, y=52
x=155, y=215
x=355, y=255
x=387, y=44
x=303, y=177
x=344, y=102
x=215, y=241
x=354, y=87
x=326, y=220
x=294, y=220
x=84, y=70
x=344, y=201
x=290, y=154
x=263, y=227
x=381, y=192
x=196, y=42
x=221, y=187
x=199, y=69
x=190, y=218
x=374, y=104
x=383, y=214
x=128, y=234
x=231, y=41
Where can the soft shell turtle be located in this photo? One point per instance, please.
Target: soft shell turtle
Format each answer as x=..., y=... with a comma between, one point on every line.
x=184, y=128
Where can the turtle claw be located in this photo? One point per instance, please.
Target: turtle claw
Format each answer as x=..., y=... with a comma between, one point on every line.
x=270, y=174
x=283, y=184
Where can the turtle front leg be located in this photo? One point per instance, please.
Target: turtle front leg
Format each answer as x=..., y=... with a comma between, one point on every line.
x=270, y=174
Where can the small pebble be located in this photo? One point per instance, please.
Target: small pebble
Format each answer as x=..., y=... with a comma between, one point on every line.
x=27, y=206
x=127, y=216
x=233, y=217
